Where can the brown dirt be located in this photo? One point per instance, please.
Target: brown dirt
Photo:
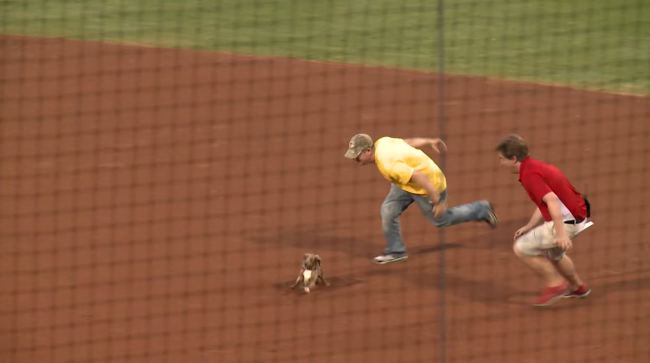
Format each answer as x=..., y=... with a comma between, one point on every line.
x=157, y=202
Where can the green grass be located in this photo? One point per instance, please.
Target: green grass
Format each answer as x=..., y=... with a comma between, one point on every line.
x=602, y=44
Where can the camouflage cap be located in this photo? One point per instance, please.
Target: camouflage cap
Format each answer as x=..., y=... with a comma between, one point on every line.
x=358, y=143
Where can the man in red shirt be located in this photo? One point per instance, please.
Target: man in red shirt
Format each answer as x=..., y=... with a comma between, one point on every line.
x=561, y=214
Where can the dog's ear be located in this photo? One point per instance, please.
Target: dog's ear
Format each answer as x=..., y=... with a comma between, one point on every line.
x=305, y=260
x=317, y=259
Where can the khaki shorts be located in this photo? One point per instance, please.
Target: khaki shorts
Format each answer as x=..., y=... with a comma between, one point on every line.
x=540, y=241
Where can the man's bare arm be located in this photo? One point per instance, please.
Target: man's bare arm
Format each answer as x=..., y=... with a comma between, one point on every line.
x=423, y=181
x=438, y=209
x=554, y=209
x=535, y=219
x=436, y=144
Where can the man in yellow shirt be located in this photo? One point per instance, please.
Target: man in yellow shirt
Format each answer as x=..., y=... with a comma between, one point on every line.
x=415, y=178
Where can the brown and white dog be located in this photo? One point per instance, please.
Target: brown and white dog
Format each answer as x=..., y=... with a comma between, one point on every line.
x=311, y=273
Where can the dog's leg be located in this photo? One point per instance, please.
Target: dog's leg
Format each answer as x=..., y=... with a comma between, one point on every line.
x=298, y=279
x=321, y=278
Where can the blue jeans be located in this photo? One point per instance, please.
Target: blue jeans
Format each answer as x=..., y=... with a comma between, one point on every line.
x=398, y=200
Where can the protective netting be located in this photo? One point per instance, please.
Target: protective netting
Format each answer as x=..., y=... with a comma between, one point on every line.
x=164, y=166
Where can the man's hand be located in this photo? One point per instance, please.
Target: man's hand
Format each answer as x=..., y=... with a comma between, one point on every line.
x=438, y=145
x=564, y=243
x=522, y=231
x=439, y=209
x=534, y=221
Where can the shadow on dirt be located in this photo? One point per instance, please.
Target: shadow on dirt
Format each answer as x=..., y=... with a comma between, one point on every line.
x=336, y=283
x=484, y=289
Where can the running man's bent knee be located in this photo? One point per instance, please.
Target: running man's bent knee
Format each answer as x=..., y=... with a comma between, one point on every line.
x=523, y=247
x=528, y=246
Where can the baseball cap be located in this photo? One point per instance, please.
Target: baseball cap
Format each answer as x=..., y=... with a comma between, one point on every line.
x=358, y=143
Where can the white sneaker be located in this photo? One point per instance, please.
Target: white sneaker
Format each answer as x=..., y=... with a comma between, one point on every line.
x=384, y=259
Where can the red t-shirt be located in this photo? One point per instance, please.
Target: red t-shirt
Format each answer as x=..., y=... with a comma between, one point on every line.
x=540, y=178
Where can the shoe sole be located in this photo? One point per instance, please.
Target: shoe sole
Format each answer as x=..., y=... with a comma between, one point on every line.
x=492, y=219
x=550, y=301
x=397, y=259
x=571, y=296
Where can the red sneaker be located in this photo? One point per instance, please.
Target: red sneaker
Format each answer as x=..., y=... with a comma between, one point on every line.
x=581, y=292
x=551, y=294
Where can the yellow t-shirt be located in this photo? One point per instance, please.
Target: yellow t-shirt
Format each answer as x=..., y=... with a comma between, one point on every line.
x=397, y=160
